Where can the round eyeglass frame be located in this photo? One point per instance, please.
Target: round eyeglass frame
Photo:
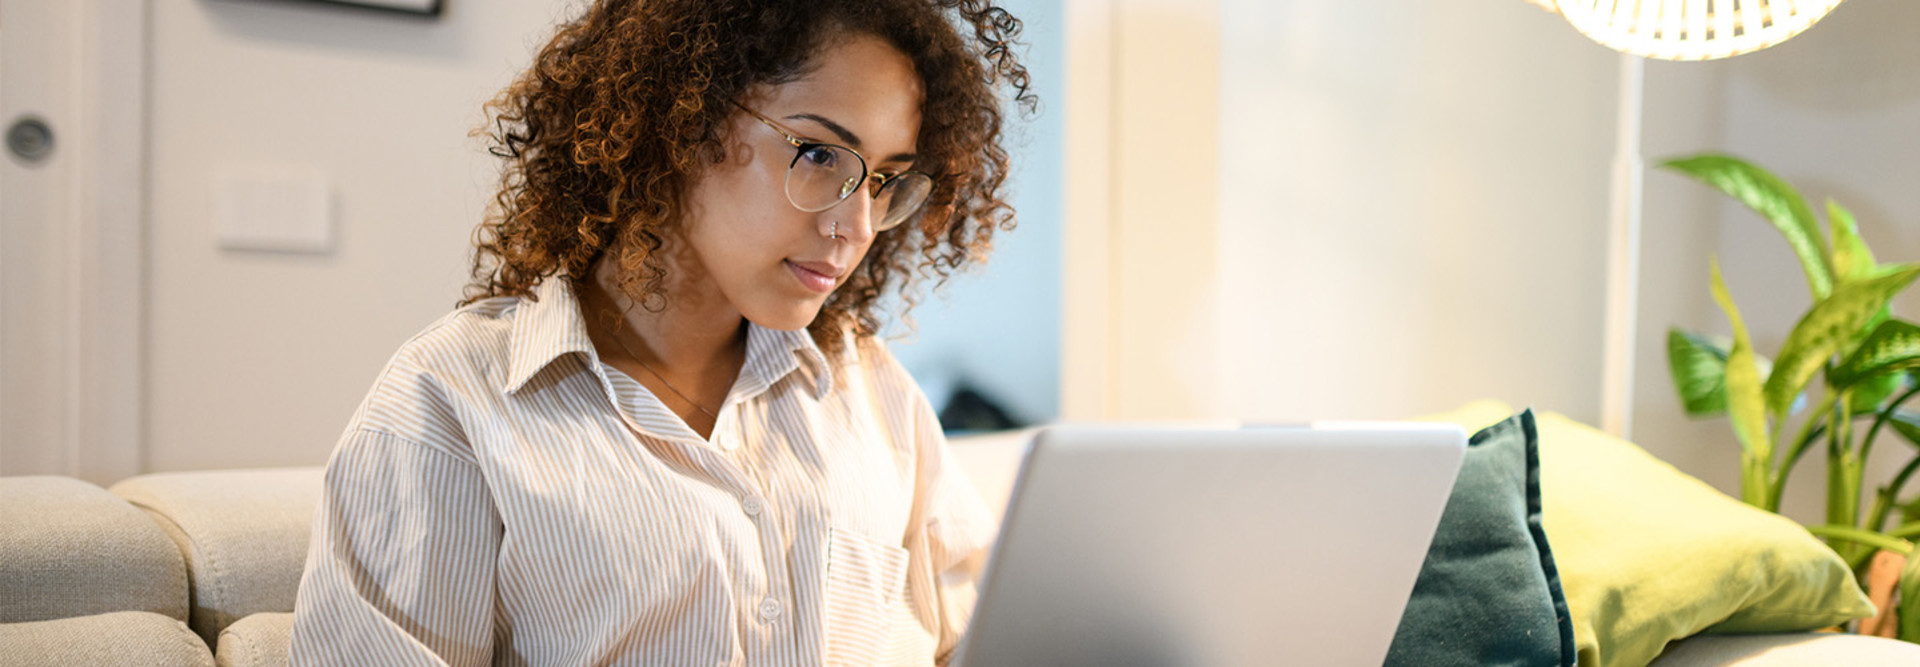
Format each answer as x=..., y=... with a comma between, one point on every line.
x=888, y=219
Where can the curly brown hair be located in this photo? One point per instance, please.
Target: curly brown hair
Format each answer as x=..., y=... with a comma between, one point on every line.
x=603, y=134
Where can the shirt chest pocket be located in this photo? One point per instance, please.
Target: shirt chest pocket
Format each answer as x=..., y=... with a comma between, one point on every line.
x=864, y=605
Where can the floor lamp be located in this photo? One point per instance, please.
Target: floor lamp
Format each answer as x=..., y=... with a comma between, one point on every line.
x=1668, y=30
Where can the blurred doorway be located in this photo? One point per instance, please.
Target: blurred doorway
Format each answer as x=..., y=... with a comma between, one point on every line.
x=71, y=200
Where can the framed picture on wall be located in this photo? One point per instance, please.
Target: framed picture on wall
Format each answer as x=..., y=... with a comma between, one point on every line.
x=417, y=7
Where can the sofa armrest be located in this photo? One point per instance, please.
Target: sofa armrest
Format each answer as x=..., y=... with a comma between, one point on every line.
x=1798, y=649
x=119, y=639
x=244, y=534
x=69, y=548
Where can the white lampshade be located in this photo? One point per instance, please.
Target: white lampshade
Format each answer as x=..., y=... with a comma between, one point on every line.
x=1690, y=29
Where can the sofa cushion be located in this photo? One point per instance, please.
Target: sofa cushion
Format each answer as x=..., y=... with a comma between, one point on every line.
x=244, y=533
x=118, y=639
x=1649, y=555
x=1804, y=649
x=69, y=548
x=260, y=640
x=1489, y=567
x=992, y=461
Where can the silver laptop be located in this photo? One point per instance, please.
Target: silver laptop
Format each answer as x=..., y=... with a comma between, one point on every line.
x=1222, y=547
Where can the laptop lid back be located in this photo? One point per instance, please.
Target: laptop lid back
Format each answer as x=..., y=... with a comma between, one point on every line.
x=1259, y=546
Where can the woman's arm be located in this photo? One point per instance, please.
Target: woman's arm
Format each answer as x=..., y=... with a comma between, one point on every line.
x=958, y=530
x=401, y=567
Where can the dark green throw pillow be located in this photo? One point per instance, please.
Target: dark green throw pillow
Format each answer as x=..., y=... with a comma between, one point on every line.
x=1488, y=593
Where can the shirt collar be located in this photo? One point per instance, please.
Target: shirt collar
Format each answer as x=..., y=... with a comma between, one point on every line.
x=772, y=354
x=549, y=324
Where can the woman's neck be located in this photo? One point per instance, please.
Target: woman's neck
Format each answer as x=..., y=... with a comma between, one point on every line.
x=688, y=354
x=695, y=332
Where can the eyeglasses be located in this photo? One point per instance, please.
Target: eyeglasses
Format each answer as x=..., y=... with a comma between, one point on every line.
x=823, y=175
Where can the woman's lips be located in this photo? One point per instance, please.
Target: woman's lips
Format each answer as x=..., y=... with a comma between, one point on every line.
x=814, y=276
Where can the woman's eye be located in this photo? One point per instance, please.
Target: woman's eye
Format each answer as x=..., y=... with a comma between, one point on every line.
x=820, y=156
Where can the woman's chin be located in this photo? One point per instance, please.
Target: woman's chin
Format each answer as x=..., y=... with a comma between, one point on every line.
x=791, y=318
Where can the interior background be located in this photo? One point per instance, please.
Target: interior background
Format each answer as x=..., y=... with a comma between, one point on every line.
x=1251, y=209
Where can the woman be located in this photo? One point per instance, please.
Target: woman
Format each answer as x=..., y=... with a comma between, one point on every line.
x=661, y=431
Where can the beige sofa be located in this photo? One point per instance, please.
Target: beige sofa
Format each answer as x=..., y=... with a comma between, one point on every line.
x=201, y=568
x=164, y=569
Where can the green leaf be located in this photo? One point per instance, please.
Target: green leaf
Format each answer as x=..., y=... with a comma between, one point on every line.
x=1875, y=387
x=1746, y=403
x=1852, y=260
x=1893, y=347
x=1698, y=365
x=1699, y=368
x=1907, y=424
x=1879, y=317
x=1828, y=326
x=1874, y=390
x=1774, y=200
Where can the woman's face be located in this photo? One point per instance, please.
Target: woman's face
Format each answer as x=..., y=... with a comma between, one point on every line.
x=748, y=247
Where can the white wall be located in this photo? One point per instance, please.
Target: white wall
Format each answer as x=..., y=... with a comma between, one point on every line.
x=1170, y=76
x=1316, y=208
x=258, y=359
x=1412, y=210
x=1413, y=202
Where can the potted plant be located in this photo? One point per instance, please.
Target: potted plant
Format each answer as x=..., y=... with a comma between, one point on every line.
x=1843, y=379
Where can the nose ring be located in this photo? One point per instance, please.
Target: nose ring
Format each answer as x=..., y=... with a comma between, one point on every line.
x=835, y=235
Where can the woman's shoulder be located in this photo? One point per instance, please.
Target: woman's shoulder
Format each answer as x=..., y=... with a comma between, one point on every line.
x=867, y=360
x=474, y=337
x=451, y=362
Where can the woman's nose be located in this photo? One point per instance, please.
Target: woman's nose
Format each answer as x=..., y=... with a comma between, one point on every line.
x=853, y=217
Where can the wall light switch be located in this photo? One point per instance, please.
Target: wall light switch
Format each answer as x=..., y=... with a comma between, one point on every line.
x=282, y=209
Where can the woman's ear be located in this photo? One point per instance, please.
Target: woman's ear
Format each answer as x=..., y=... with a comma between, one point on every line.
x=714, y=152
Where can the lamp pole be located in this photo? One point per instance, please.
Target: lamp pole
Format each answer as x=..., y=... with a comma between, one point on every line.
x=1623, y=254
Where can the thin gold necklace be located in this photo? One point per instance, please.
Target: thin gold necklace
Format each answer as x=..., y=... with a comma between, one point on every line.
x=617, y=340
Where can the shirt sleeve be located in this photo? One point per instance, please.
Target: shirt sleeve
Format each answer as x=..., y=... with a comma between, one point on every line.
x=958, y=530
x=400, y=570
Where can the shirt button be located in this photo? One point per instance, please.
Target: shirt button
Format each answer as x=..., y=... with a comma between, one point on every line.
x=752, y=506
x=769, y=609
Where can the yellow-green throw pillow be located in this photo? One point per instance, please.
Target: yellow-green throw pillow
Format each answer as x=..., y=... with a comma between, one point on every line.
x=1648, y=555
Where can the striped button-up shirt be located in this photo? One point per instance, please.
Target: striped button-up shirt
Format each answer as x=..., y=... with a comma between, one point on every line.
x=502, y=497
